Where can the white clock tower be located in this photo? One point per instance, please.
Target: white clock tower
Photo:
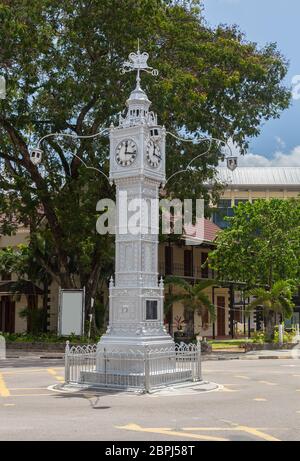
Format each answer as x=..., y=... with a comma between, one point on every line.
x=137, y=168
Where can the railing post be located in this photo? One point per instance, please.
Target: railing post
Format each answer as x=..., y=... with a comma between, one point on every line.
x=67, y=362
x=105, y=366
x=199, y=367
x=147, y=369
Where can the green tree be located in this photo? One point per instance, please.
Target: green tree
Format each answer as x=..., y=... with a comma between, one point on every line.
x=261, y=244
x=261, y=248
x=193, y=298
x=62, y=59
x=277, y=300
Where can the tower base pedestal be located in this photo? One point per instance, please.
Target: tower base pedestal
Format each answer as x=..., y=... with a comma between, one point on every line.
x=134, y=380
x=127, y=355
x=143, y=363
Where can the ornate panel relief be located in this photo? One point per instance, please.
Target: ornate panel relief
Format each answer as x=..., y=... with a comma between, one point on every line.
x=129, y=257
x=147, y=257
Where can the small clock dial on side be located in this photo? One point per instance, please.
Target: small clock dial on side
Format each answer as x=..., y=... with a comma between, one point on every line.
x=153, y=154
x=126, y=152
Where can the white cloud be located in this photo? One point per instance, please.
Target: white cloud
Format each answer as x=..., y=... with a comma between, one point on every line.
x=279, y=158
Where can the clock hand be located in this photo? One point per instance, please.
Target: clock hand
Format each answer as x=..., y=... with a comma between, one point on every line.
x=154, y=151
x=129, y=153
x=126, y=147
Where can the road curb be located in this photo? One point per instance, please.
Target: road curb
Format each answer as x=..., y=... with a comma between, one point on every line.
x=254, y=357
x=205, y=358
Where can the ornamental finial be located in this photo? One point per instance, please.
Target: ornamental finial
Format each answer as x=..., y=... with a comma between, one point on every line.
x=138, y=61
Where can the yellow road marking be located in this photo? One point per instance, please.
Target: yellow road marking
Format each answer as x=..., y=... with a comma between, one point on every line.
x=54, y=373
x=257, y=433
x=4, y=391
x=169, y=431
x=250, y=430
x=226, y=389
x=268, y=383
x=9, y=405
x=23, y=372
x=242, y=377
x=204, y=429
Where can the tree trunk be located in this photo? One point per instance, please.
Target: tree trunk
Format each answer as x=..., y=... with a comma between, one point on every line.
x=45, y=307
x=92, y=288
x=189, y=319
x=270, y=325
x=33, y=326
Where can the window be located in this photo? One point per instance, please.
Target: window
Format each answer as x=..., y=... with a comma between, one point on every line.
x=151, y=310
x=224, y=209
x=5, y=276
x=237, y=314
x=188, y=263
x=168, y=260
x=238, y=201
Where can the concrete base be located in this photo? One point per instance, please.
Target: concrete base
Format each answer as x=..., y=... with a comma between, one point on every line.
x=132, y=380
x=130, y=351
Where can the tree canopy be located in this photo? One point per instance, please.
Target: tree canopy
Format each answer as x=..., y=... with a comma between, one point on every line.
x=62, y=59
x=261, y=245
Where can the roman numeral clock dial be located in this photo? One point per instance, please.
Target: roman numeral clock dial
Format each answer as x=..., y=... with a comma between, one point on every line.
x=126, y=152
x=153, y=154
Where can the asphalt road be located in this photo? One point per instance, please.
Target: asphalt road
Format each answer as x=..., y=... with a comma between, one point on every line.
x=260, y=401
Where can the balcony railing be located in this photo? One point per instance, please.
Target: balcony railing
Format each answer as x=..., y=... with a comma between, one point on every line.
x=182, y=271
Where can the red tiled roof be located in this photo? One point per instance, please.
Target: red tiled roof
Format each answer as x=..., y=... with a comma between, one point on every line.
x=204, y=230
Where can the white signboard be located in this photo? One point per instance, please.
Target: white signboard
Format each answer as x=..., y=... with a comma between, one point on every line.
x=71, y=312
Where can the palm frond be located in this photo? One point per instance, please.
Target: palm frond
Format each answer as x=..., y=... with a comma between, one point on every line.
x=203, y=284
x=178, y=281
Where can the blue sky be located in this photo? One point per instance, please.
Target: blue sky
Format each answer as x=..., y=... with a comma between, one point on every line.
x=265, y=21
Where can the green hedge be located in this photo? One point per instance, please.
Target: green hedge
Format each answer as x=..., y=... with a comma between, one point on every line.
x=46, y=338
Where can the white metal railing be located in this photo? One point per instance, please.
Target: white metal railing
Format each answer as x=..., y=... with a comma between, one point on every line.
x=77, y=360
x=148, y=368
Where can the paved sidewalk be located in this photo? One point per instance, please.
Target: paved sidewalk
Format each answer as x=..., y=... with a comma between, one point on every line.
x=255, y=355
x=222, y=355
x=19, y=353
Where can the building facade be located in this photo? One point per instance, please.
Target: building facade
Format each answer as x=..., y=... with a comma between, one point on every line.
x=243, y=184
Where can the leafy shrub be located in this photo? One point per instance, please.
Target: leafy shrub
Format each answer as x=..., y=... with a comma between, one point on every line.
x=259, y=337
x=288, y=337
x=46, y=338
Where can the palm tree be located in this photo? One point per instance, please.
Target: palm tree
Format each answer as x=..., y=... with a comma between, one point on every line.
x=277, y=299
x=193, y=298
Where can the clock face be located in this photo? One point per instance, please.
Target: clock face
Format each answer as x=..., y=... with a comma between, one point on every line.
x=153, y=154
x=126, y=152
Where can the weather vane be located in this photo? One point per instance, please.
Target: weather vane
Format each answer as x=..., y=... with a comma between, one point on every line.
x=138, y=61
